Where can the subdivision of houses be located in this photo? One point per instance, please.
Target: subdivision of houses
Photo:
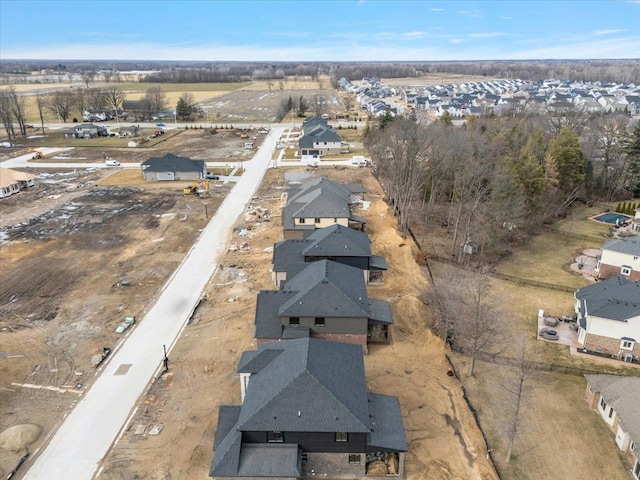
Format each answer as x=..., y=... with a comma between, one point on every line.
x=608, y=314
x=325, y=300
x=620, y=257
x=617, y=399
x=12, y=181
x=85, y=130
x=318, y=138
x=338, y=243
x=320, y=203
x=173, y=167
x=306, y=412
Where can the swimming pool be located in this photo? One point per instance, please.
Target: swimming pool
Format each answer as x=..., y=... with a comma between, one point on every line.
x=611, y=218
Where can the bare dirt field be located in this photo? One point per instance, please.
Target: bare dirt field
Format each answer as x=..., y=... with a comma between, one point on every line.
x=261, y=106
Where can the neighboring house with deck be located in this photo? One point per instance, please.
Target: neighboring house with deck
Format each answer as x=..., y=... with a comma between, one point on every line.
x=620, y=257
x=338, y=243
x=325, y=300
x=320, y=203
x=306, y=412
x=608, y=315
x=617, y=400
x=173, y=167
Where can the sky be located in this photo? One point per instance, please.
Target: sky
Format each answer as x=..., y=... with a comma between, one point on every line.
x=319, y=30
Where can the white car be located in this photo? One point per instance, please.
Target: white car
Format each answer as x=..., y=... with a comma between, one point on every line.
x=112, y=163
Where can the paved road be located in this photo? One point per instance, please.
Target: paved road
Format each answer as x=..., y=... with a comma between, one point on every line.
x=86, y=435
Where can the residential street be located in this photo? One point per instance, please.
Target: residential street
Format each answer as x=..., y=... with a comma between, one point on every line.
x=85, y=436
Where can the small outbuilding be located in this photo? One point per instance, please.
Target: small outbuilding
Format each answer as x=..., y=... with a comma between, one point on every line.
x=173, y=167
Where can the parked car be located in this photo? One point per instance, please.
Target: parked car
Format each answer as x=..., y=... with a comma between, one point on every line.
x=549, y=334
x=211, y=176
x=112, y=163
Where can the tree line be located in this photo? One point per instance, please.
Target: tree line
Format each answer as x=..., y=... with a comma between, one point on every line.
x=495, y=180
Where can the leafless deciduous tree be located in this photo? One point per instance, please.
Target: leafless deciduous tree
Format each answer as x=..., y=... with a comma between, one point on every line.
x=114, y=97
x=516, y=389
x=40, y=103
x=400, y=152
x=16, y=103
x=6, y=114
x=60, y=103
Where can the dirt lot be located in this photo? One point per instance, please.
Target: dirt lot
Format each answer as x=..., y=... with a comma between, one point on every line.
x=261, y=106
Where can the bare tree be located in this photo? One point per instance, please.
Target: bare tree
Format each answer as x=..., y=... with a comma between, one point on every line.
x=114, y=97
x=400, y=152
x=17, y=104
x=156, y=99
x=348, y=102
x=573, y=116
x=516, y=388
x=319, y=103
x=40, y=103
x=61, y=102
x=6, y=114
x=479, y=328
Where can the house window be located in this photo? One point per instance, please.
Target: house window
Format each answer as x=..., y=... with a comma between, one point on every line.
x=627, y=344
x=636, y=470
x=294, y=321
x=354, y=459
x=603, y=404
x=319, y=321
x=342, y=437
x=317, y=220
x=301, y=220
x=625, y=270
x=611, y=412
x=275, y=437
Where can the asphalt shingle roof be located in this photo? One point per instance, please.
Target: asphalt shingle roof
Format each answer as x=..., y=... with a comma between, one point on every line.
x=630, y=246
x=616, y=299
x=173, y=163
x=312, y=386
x=623, y=394
x=387, y=430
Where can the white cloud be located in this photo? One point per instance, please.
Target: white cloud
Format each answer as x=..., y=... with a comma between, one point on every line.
x=415, y=34
x=486, y=35
x=609, y=32
x=437, y=9
x=505, y=18
x=458, y=40
x=471, y=13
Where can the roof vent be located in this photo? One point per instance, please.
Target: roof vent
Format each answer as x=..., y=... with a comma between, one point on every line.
x=299, y=413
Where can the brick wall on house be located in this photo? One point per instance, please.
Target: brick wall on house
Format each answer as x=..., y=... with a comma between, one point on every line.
x=608, y=345
x=608, y=271
x=592, y=398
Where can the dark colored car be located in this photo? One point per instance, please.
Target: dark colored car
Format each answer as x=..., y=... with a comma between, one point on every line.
x=211, y=176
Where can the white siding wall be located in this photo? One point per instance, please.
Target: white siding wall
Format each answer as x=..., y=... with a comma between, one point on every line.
x=613, y=328
x=618, y=259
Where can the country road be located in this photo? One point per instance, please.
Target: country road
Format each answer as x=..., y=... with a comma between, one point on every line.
x=86, y=435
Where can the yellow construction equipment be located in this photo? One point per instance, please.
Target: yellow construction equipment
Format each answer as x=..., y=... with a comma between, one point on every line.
x=37, y=154
x=200, y=189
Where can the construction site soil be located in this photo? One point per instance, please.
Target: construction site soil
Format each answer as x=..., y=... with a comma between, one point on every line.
x=73, y=271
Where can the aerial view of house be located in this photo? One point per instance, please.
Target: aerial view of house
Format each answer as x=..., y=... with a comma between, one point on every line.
x=338, y=243
x=306, y=411
x=320, y=203
x=615, y=398
x=173, y=167
x=12, y=181
x=85, y=130
x=620, y=257
x=608, y=315
x=324, y=300
x=318, y=138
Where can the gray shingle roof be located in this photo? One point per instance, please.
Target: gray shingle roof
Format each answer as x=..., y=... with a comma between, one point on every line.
x=173, y=163
x=312, y=386
x=630, y=246
x=326, y=289
x=623, y=394
x=269, y=460
x=616, y=299
x=318, y=198
x=227, y=443
x=387, y=430
x=338, y=240
x=267, y=321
